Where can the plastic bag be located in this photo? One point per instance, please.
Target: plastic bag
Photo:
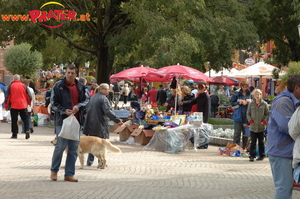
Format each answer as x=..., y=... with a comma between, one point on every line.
x=70, y=128
x=42, y=119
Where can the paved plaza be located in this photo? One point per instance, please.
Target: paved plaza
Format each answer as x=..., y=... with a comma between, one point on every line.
x=134, y=174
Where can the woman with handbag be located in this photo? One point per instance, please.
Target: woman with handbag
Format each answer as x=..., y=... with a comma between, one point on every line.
x=239, y=101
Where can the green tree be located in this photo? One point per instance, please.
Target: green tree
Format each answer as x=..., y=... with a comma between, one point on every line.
x=157, y=32
x=57, y=51
x=275, y=20
x=186, y=32
x=19, y=59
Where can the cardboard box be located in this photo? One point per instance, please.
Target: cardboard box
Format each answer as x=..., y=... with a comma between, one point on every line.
x=142, y=136
x=112, y=128
x=125, y=131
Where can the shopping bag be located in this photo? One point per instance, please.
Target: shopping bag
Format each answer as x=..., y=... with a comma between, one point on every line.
x=70, y=128
x=294, y=124
x=296, y=175
x=237, y=115
x=42, y=119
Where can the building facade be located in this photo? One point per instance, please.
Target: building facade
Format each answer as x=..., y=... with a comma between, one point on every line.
x=5, y=75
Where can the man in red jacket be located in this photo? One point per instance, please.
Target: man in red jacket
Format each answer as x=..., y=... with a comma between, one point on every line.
x=17, y=98
x=152, y=95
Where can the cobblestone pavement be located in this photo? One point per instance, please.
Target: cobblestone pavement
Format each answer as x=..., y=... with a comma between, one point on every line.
x=136, y=173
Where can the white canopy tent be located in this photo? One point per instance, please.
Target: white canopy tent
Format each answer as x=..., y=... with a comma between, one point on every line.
x=260, y=69
x=224, y=72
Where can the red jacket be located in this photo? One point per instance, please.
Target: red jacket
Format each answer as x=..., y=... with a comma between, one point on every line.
x=152, y=95
x=17, y=96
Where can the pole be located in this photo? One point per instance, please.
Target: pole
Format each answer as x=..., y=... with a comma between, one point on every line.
x=177, y=87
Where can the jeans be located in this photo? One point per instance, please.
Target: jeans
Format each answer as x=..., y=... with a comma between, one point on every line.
x=261, y=144
x=214, y=108
x=90, y=159
x=111, y=97
x=117, y=96
x=14, y=120
x=58, y=153
x=30, y=122
x=282, y=176
x=238, y=130
x=125, y=99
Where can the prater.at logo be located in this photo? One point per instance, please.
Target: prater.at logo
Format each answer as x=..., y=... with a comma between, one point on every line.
x=43, y=16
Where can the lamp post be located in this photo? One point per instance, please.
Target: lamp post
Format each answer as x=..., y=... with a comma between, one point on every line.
x=87, y=66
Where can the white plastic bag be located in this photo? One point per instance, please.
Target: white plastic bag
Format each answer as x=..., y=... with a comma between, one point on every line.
x=70, y=128
x=42, y=119
x=294, y=124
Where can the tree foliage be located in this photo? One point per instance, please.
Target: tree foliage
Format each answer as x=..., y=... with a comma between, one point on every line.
x=58, y=51
x=157, y=32
x=19, y=59
x=186, y=32
x=275, y=20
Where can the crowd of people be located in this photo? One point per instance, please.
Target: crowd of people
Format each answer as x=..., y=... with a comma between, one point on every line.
x=72, y=96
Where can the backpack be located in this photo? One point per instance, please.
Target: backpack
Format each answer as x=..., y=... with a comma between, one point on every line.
x=117, y=88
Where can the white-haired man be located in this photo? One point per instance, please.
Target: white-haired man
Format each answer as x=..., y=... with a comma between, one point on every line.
x=17, y=98
x=99, y=112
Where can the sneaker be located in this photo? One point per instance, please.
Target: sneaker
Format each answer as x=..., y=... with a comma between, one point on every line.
x=260, y=158
x=251, y=159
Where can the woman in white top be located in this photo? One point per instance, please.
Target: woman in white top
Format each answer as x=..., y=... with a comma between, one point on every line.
x=30, y=106
x=125, y=92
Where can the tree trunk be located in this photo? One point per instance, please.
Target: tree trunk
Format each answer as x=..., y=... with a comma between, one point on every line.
x=104, y=65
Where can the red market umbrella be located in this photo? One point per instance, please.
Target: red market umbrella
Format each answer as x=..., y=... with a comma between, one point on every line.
x=222, y=80
x=133, y=74
x=186, y=72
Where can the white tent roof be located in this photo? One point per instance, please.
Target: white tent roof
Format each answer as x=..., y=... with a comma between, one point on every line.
x=260, y=69
x=224, y=72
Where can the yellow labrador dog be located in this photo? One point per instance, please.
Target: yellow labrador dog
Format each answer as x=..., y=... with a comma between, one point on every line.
x=96, y=146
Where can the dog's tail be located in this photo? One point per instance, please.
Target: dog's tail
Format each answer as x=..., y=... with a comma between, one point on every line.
x=111, y=147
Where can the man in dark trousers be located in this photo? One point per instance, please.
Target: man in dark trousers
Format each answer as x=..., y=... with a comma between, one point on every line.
x=99, y=113
x=17, y=98
x=117, y=94
x=161, y=96
x=214, y=102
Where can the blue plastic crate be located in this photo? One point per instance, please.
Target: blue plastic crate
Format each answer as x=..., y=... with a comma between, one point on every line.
x=122, y=113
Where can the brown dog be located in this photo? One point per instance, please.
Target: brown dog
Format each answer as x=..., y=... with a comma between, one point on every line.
x=96, y=146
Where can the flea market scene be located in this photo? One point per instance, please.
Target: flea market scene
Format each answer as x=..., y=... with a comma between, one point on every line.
x=141, y=86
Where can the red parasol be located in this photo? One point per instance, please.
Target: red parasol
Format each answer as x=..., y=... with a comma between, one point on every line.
x=133, y=74
x=222, y=80
x=169, y=72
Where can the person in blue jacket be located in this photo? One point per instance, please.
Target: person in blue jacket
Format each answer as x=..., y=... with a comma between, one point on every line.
x=280, y=145
x=240, y=99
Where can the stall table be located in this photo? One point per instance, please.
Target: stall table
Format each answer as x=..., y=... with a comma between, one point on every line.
x=40, y=109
